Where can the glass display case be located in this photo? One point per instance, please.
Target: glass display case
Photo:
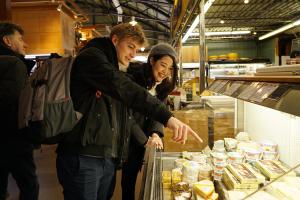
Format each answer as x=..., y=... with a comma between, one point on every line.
x=267, y=110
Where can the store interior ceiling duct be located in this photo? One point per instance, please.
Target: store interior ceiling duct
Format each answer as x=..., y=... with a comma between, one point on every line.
x=196, y=21
x=223, y=33
x=281, y=29
x=119, y=10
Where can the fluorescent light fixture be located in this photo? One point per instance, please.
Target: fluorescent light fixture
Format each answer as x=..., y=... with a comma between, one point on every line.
x=281, y=29
x=133, y=22
x=223, y=33
x=196, y=21
x=140, y=58
x=59, y=7
x=33, y=56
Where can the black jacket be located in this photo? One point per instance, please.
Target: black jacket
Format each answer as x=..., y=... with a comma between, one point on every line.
x=13, y=74
x=105, y=118
x=142, y=74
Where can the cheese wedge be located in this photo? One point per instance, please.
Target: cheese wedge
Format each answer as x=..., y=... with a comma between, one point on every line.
x=204, y=188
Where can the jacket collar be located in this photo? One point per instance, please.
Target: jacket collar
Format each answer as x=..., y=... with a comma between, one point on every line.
x=106, y=46
x=8, y=52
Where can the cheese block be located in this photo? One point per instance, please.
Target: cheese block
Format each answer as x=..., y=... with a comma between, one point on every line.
x=166, y=176
x=232, y=183
x=242, y=173
x=272, y=169
x=180, y=187
x=261, y=178
x=176, y=175
x=204, y=188
x=213, y=196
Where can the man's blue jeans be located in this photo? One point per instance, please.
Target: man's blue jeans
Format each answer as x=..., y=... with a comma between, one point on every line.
x=85, y=177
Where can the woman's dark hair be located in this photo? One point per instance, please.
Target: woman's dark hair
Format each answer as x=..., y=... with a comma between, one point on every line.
x=7, y=28
x=168, y=84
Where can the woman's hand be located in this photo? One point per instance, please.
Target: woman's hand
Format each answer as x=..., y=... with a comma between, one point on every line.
x=155, y=141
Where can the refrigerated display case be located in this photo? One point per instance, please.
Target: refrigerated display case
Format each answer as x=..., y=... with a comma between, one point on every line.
x=267, y=108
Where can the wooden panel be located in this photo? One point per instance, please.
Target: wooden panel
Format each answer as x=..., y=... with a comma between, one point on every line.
x=5, y=10
x=190, y=54
x=42, y=27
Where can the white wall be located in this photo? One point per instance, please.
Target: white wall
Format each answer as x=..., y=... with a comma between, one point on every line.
x=267, y=124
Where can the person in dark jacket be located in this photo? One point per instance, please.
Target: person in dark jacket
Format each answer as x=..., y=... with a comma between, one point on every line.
x=159, y=77
x=100, y=90
x=15, y=151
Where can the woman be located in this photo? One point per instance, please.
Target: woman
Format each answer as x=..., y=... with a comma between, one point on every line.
x=159, y=76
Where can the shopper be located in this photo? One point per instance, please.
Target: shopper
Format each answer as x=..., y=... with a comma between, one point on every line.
x=158, y=76
x=85, y=160
x=15, y=152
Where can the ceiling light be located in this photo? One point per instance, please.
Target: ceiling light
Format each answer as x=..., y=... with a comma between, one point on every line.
x=196, y=21
x=133, y=22
x=223, y=33
x=281, y=29
x=59, y=7
x=222, y=21
x=254, y=33
x=246, y=1
x=143, y=49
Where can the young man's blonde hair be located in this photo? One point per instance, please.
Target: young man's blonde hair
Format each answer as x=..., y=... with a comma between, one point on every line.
x=125, y=30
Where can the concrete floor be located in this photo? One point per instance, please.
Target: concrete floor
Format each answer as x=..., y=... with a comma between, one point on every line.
x=49, y=186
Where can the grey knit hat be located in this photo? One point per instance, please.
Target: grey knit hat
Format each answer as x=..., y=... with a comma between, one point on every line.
x=163, y=49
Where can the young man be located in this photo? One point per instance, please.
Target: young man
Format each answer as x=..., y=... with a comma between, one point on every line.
x=86, y=157
x=15, y=152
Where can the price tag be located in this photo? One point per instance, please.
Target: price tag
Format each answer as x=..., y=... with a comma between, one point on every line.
x=221, y=85
x=264, y=92
x=250, y=90
x=233, y=88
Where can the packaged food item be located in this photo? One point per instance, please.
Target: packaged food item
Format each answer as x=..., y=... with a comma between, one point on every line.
x=180, y=187
x=218, y=175
x=230, y=143
x=204, y=188
x=190, y=171
x=219, y=146
x=166, y=177
x=272, y=169
x=268, y=146
x=186, y=155
x=233, y=183
x=243, y=173
x=235, y=158
x=219, y=159
x=252, y=155
x=242, y=136
x=199, y=157
x=179, y=162
x=176, y=175
x=205, y=172
x=270, y=155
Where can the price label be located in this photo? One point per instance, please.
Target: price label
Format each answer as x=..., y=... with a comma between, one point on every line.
x=250, y=90
x=233, y=88
x=264, y=92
